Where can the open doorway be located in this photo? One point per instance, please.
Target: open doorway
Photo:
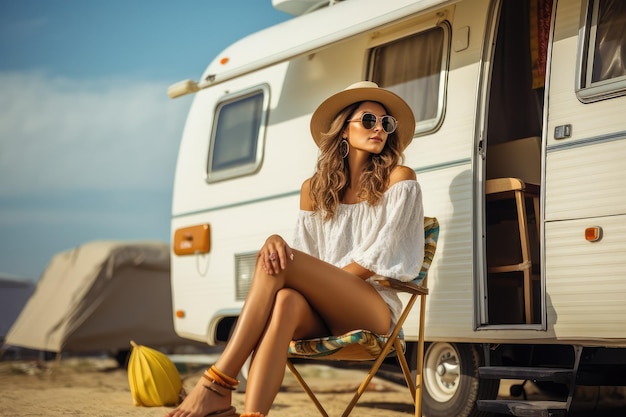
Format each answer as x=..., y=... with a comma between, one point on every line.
x=513, y=163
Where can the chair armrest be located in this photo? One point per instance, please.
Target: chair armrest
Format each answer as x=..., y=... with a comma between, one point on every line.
x=412, y=287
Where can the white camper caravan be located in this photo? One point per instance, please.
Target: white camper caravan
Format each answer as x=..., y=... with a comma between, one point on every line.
x=519, y=148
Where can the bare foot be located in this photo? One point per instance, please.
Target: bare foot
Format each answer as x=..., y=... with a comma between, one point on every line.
x=205, y=398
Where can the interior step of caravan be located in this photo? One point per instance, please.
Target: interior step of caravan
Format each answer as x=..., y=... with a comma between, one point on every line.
x=524, y=408
x=527, y=408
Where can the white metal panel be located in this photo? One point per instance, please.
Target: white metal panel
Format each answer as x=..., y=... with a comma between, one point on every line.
x=582, y=171
x=447, y=195
x=290, y=153
x=585, y=281
x=590, y=120
x=586, y=181
x=203, y=285
x=307, y=33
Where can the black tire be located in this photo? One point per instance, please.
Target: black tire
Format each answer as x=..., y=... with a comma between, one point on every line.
x=451, y=383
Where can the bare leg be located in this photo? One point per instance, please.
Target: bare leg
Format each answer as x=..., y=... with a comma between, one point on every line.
x=342, y=300
x=291, y=318
x=337, y=296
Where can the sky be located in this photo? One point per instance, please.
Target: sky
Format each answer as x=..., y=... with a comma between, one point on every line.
x=88, y=135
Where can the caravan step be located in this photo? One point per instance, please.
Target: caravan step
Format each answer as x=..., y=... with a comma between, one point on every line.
x=560, y=375
x=524, y=408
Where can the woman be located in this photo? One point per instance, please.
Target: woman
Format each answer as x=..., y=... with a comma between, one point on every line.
x=360, y=217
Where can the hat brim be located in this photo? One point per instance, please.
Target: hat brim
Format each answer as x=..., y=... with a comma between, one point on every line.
x=394, y=104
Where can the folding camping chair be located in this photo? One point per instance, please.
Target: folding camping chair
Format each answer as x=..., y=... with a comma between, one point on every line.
x=362, y=345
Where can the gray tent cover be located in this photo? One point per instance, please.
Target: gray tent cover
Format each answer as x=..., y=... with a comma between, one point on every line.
x=99, y=296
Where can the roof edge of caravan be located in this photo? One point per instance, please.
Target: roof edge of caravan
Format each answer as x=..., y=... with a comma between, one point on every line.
x=301, y=35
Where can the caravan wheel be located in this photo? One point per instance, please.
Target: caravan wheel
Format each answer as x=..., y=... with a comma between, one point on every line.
x=451, y=383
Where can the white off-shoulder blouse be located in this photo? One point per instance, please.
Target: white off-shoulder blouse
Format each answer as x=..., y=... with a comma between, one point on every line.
x=387, y=239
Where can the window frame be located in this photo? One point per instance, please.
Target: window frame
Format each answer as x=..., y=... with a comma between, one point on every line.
x=247, y=168
x=588, y=91
x=427, y=126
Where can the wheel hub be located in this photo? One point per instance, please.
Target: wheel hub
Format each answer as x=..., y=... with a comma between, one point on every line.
x=442, y=371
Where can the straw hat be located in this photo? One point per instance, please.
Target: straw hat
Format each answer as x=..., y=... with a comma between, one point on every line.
x=364, y=91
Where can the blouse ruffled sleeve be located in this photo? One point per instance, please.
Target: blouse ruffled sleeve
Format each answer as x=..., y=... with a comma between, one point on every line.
x=306, y=233
x=393, y=246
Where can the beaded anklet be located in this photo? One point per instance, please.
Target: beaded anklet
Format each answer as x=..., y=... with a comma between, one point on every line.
x=225, y=378
x=219, y=378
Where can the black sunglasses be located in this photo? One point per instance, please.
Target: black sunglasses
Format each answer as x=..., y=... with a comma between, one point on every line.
x=369, y=120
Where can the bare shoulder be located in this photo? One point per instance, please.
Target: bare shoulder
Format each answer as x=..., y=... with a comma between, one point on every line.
x=305, y=196
x=401, y=173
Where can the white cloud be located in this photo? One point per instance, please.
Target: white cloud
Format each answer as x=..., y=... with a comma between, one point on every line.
x=57, y=133
x=81, y=161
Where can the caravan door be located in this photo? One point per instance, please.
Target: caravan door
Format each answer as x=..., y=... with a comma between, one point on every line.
x=585, y=192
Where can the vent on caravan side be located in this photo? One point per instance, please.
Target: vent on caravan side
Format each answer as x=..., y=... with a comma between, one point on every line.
x=244, y=272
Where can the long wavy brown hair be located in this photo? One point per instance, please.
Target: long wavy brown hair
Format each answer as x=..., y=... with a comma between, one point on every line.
x=332, y=177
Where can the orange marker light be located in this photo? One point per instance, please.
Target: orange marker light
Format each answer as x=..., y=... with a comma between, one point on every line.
x=224, y=60
x=180, y=314
x=593, y=234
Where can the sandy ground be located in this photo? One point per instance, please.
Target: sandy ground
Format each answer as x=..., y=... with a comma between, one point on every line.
x=94, y=387
x=97, y=387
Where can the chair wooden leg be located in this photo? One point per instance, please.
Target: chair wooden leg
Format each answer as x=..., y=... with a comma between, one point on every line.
x=406, y=371
x=306, y=388
x=538, y=223
x=368, y=378
x=526, y=259
x=420, y=358
x=393, y=341
x=381, y=357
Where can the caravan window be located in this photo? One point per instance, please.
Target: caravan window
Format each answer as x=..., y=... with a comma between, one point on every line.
x=602, y=67
x=238, y=133
x=415, y=68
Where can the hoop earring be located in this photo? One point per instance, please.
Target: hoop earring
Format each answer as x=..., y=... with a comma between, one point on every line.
x=347, y=151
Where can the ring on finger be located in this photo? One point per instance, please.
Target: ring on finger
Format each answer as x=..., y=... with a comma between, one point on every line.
x=273, y=256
